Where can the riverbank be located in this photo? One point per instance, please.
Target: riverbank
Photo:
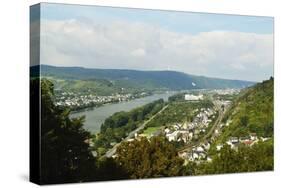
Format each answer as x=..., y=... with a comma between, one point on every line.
x=95, y=117
x=82, y=109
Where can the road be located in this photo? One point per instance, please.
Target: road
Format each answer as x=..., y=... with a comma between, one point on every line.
x=217, y=123
x=111, y=152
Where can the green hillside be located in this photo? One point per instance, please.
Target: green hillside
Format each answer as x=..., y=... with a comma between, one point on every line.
x=252, y=112
x=93, y=86
x=149, y=80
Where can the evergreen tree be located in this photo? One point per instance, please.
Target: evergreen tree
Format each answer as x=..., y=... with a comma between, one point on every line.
x=65, y=156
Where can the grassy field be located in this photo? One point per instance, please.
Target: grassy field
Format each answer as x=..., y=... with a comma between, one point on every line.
x=150, y=130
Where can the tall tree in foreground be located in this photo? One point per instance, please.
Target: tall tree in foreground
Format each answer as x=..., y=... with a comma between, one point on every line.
x=65, y=157
x=149, y=158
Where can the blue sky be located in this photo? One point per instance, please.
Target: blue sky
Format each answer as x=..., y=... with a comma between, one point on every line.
x=215, y=45
x=189, y=22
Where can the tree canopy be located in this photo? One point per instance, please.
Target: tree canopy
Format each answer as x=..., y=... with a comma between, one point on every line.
x=65, y=156
x=149, y=158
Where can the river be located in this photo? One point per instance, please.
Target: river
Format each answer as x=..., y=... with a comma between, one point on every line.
x=95, y=117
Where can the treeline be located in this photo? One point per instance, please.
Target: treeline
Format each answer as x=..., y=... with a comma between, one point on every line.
x=119, y=125
x=176, y=97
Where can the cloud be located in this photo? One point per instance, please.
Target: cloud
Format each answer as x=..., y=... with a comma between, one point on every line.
x=132, y=45
x=138, y=52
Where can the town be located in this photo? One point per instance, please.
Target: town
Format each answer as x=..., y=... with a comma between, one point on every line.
x=201, y=133
x=76, y=100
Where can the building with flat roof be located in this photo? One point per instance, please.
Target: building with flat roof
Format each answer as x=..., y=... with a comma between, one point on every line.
x=190, y=97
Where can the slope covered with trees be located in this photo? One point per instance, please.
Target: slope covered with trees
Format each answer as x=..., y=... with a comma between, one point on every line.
x=252, y=112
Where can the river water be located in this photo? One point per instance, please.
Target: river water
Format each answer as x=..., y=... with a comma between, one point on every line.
x=95, y=117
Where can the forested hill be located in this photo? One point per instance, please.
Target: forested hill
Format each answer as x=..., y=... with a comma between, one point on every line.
x=146, y=79
x=252, y=112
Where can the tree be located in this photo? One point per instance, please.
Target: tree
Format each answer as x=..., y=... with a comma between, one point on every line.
x=149, y=158
x=65, y=157
x=244, y=121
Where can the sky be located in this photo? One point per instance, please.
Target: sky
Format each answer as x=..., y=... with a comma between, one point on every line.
x=215, y=45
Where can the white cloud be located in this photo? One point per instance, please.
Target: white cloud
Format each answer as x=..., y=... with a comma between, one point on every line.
x=140, y=52
x=142, y=46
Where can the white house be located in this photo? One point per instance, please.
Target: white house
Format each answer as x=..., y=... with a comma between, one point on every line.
x=264, y=139
x=173, y=136
x=253, y=136
x=200, y=149
x=190, y=97
x=167, y=130
x=232, y=142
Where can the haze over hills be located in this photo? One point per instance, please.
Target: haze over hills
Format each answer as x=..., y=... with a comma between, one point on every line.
x=171, y=80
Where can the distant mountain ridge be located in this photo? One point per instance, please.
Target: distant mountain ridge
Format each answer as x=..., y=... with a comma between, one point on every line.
x=137, y=78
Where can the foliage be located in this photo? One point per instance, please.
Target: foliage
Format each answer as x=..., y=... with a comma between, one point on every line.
x=176, y=97
x=120, y=124
x=252, y=112
x=259, y=157
x=149, y=158
x=65, y=155
x=150, y=130
x=108, y=169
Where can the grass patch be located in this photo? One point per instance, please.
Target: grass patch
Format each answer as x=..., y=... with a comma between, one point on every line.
x=150, y=130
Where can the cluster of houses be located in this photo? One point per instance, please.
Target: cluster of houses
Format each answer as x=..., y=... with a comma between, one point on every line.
x=249, y=140
x=226, y=91
x=187, y=131
x=72, y=99
x=197, y=153
x=200, y=153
